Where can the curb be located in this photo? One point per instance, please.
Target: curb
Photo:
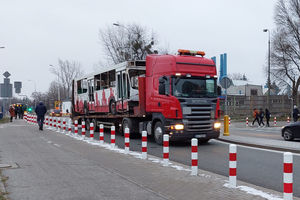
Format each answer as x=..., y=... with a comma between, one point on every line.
x=259, y=146
x=2, y=186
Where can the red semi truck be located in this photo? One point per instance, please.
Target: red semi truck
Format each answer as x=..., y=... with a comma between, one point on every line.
x=164, y=94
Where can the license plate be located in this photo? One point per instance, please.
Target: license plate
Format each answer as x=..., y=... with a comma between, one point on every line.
x=200, y=136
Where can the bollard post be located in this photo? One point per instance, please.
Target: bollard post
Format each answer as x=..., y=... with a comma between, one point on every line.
x=101, y=134
x=287, y=176
x=127, y=140
x=166, y=150
x=69, y=126
x=64, y=125
x=58, y=125
x=288, y=120
x=194, y=157
x=83, y=128
x=113, y=137
x=76, y=127
x=55, y=124
x=232, y=165
x=247, y=122
x=144, y=144
x=226, y=125
x=275, y=122
x=91, y=131
x=229, y=121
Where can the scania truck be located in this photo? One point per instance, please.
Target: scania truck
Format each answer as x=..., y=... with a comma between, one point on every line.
x=164, y=94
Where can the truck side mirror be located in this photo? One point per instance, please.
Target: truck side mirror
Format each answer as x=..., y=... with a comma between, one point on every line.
x=219, y=90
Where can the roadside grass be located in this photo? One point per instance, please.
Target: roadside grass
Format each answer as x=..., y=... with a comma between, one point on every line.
x=3, y=195
x=4, y=120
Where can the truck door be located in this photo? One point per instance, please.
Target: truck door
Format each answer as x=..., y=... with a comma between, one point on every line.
x=122, y=88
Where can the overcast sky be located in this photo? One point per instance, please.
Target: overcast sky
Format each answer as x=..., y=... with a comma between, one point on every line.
x=36, y=33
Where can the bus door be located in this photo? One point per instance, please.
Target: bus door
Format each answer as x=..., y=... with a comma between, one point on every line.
x=123, y=89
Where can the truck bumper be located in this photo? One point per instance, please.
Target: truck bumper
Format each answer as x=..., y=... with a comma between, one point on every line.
x=184, y=135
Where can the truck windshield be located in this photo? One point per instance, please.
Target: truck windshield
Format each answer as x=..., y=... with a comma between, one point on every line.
x=194, y=87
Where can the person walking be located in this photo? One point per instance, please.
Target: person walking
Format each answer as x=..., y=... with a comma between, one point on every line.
x=295, y=113
x=255, y=116
x=261, y=117
x=268, y=116
x=40, y=111
x=11, y=112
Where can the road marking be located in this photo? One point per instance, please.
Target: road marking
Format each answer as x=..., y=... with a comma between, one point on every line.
x=57, y=145
x=255, y=148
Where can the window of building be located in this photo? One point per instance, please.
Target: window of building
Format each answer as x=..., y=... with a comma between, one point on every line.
x=253, y=92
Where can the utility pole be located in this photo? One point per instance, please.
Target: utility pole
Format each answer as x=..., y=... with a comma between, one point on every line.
x=269, y=67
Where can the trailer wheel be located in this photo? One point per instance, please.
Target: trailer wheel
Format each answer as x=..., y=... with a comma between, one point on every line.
x=158, y=133
x=96, y=128
x=87, y=124
x=113, y=107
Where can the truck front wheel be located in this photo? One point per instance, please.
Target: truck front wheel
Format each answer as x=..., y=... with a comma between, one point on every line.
x=158, y=133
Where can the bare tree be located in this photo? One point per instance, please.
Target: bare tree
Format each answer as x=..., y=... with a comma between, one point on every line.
x=238, y=76
x=286, y=46
x=66, y=72
x=128, y=42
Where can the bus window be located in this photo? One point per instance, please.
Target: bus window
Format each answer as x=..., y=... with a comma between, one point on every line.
x=112, y=78
x=104, y=81
x=97, y=82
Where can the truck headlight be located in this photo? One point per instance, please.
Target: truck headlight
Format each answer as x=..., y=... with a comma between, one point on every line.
x=179, y=127
x=217, y=125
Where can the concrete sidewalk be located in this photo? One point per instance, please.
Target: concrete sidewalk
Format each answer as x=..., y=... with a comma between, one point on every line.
x=62, y=167
x=265, y=137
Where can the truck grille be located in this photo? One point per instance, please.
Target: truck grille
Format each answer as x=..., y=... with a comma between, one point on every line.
x=199, y=118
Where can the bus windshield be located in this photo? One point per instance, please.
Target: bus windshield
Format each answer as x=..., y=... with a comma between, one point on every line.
x=194, y=87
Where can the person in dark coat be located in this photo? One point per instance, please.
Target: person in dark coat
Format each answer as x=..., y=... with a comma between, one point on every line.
x=40, y=111
x=11, y=112
x=16, y=111
x=268, y=116
x=261, y=117
x=295, y=113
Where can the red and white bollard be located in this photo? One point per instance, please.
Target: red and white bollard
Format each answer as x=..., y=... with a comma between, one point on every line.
x=275, y=122
x=91, y=131
x=83, y=128
x=288, y=120
x=126, y=140
x=101, y=134
x=247, y=122
x=58, y=125
x=194, y=157
x=232, y=165
x=166, y=150
x=54, y=125
x=144, y=144
x=76, y=127
x=229, y=121
x=113, y=137
x=64, y=125
x=69, y=127
x=287, y=176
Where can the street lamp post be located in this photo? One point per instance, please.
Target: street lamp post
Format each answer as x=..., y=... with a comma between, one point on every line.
x=269, y=66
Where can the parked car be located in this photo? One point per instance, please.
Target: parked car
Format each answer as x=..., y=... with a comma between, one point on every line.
x=291, y=131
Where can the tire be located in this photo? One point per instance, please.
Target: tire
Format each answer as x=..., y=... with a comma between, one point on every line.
x=113, y=107
x=87, y=124
x=126, y=123
x=288, y=135
x=132, y=124
x=96, y=128
x=158, y=132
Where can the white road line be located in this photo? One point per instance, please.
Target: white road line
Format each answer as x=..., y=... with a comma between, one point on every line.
x=255, y=148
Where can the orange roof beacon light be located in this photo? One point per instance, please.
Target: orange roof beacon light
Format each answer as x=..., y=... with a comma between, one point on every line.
x=190, y=52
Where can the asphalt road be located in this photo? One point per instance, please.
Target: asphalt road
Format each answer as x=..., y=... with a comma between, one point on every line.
x=256, y=166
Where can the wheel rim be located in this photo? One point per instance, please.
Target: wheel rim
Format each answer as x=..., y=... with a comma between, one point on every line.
x=287, y=135
x=158, y=133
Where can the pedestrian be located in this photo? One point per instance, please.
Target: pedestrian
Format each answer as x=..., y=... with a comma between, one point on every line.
x=40, y=111
x=268, y=115
x=16, y=111
x=261, y=116
x=11, y=112
x=295, y=113
x=255, y=116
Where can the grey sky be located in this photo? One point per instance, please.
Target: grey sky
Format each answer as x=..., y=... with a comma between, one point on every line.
x=36, y=33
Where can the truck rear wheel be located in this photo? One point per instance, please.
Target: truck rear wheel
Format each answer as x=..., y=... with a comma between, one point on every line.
x=158, y=133
x=132, y=125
